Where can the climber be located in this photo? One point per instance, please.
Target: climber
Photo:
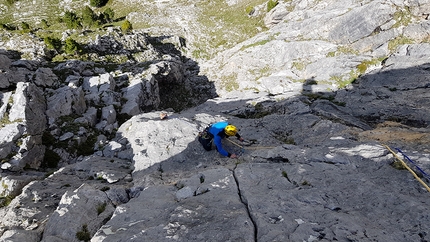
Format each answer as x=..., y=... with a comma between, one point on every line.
x=216, y=132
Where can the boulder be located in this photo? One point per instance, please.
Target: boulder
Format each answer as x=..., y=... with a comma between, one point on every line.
x=99, y=88
x=20, y=235
x=12, y=184
x=5, y=98
x=9, y=134
x=153, y=140
x=17, y=111
x=44, y=77
x=65, y=101
x=79, y=213
x=140, y=95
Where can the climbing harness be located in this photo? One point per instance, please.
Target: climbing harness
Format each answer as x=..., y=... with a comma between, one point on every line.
x=406, y=157
x=409, y=169
x=205, y=138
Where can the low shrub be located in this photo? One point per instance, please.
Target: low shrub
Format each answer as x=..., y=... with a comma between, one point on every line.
x=126, y=26
x=84, y=234
x=271, y=4
x=51, y=159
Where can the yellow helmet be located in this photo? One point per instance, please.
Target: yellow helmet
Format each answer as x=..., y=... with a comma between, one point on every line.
x=230, y=130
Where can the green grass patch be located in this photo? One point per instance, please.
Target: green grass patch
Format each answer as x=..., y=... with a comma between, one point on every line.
x=271, y=4
x=101, y=208
x=299, y=65
x=227, y=25
x=362, y=67
x=403, y=17
x=342, y=50
x=258, y=43
x=345, y=80
x=264, y=71
x=288, y=140
x=398, y=165
x=230, y=83
x=400, y=40
x=5, y=120
x=5, y=201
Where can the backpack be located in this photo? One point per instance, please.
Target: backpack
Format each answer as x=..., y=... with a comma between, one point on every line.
x=206, y=138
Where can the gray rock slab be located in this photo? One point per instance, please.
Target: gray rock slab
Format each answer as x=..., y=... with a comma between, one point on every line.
x=156, y=215
x=154, y=140
x=5, y=62
x=14, y=235
x=12, y=184
x=17, y=111
x=44, y=77
x=307, y=202
x=360, y=22
x=334, y=112
x=5, y=96
x=8, y=135
x=108, y=168
x=41, y=196
x=86, y=206
x=64, y=101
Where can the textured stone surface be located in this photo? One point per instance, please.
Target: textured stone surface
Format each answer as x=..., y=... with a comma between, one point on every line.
x=217, y=214
x=316, y=96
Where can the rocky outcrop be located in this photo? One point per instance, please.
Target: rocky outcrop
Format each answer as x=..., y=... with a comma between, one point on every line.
x=90, y=206
x=317, y=97
x=26, y=113
x=330, y=43
x=62, y=113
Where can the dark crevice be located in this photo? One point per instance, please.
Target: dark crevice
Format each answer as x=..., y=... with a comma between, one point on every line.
x=254, y=223
x=277, y=159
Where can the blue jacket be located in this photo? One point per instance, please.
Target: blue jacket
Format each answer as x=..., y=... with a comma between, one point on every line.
x=217, y=130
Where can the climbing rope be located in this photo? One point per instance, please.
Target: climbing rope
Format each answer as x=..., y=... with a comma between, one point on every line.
x=413, y=163
x=409, y=169
x=242, y=148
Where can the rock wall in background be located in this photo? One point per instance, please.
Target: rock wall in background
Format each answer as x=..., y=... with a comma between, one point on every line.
x=85, y=155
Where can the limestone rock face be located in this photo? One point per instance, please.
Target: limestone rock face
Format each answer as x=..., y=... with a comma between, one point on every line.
x=157, y=212
x=20, y=235
x=45, y=77
x=64, y=101
x=288, y=204
x=10, y=134
x=27, y=111
x=155, y=141
x=141, y=95
x=328, y=97
x=99, y=88
x=35, y=108
x=324, y=43
x=40, y=195
x=86, y=207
